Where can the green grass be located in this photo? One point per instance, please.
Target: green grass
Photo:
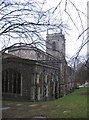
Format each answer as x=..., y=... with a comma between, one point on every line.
x=73, y=105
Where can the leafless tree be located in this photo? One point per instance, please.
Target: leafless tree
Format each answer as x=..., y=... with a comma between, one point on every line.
x=24, y=21
x=27, y=22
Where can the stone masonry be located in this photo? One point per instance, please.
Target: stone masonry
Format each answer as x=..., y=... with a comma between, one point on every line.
x=30, y=73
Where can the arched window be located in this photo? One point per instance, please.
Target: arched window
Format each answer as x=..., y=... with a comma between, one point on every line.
x=53, y=46
x=11, y=81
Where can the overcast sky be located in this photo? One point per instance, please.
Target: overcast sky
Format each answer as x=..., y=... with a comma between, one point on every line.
x=72, y=44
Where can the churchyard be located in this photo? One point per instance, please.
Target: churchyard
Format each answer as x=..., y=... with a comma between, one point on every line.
x=73, y=105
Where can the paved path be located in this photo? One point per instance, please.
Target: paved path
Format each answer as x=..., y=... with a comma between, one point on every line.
x=5, y=108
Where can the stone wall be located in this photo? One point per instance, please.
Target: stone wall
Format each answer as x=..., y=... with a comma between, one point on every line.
x=39, y=82
x=41, y=75
x=55, y=45
x=19, y=66
x=30, y=52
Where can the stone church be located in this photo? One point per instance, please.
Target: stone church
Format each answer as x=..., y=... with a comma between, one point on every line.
x=30, y=73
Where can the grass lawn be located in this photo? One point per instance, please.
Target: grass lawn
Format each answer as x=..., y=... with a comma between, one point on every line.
x=73, y=105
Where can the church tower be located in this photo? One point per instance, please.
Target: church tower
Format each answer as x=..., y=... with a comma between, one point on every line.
x=55, y=45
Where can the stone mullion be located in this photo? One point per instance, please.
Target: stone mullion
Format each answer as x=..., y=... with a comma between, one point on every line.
x=36, y=92
x=17, y=83
x=54, y=88
x=39, y=93
x=45, y=78
x=12, y=82
x=4, y=79
x=57, y=86
x=36, y=86
x=42, y=87
x=45, y=86
x=8, y=81
x=47, y=90
x=21, y=87
x=33, y=86
x=58, y=89
x=52, y=85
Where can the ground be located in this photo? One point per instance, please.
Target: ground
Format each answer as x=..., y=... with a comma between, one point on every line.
x=73, y=105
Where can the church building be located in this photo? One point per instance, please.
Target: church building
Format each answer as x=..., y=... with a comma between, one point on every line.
x=30, y=73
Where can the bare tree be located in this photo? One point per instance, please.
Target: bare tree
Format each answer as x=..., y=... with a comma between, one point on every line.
x=24, y=21
x=27, y=22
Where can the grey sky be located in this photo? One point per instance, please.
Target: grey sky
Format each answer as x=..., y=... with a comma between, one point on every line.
x=72, y=44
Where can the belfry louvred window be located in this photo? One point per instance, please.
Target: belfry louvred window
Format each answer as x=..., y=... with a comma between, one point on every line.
x=53, y=46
